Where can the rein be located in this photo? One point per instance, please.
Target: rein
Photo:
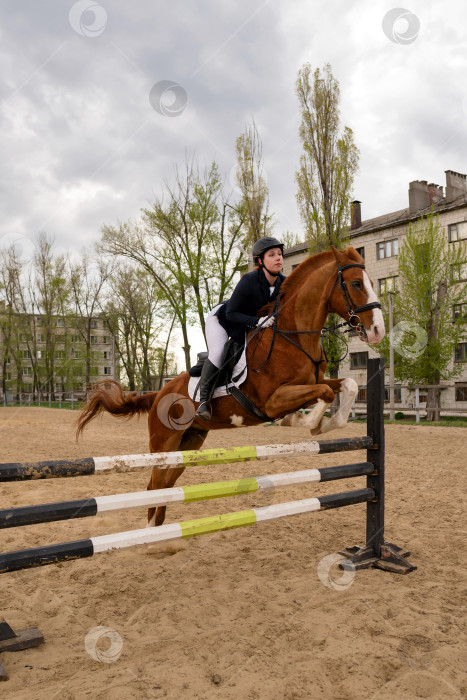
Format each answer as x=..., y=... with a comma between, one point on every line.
x=353, y=322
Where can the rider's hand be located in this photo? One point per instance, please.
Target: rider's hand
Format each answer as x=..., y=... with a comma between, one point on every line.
x=265, y=321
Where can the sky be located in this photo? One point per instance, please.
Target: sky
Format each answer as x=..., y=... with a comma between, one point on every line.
x=100, y=101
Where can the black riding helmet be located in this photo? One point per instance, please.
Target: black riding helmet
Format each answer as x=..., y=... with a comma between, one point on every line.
x=264, y=244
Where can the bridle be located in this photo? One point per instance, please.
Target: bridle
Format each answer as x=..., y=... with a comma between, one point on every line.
x=353, y=310
x=353, y=321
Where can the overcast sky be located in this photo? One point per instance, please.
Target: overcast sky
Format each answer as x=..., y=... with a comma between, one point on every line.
x=82, y=143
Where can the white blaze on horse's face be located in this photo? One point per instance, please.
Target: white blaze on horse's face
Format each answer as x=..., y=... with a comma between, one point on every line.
x=376, y=332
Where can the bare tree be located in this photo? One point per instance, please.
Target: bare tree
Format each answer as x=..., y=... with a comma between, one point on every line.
x=87, y=280
x=187, y=243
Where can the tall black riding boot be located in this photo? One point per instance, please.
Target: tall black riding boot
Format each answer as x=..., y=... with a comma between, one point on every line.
x=207, y=383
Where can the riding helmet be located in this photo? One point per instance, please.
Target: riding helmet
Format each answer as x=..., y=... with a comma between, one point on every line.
x=264, y=244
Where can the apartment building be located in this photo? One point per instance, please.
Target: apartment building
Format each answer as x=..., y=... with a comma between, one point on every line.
x=378, y=240
x=32, y=347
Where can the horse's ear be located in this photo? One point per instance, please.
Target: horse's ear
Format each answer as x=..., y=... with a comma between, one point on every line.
x=338, y=254
x=353, y=254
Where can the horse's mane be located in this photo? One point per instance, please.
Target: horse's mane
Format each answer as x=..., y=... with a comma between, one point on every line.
x=302, y=271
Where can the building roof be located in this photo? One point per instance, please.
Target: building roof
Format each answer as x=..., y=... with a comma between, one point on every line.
x=404, y=216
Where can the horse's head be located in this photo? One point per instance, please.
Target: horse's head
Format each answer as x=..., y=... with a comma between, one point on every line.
x=352, y=292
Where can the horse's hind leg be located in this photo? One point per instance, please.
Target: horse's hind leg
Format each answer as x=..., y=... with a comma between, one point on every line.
x=191, y=439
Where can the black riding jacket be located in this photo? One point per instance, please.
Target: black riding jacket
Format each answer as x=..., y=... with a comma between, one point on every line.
x=239, y=313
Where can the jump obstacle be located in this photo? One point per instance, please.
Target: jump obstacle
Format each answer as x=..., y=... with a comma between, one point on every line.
x=375, y=553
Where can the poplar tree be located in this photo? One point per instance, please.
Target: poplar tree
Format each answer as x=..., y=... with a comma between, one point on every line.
x=326, y=174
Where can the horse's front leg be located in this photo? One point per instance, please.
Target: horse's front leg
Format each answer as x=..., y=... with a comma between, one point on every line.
x=289, y=398
x=348, y=389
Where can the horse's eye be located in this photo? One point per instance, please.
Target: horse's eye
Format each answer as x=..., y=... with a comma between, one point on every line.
x=357, y=284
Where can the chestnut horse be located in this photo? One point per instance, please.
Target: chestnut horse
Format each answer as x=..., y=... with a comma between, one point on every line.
x=291, y=361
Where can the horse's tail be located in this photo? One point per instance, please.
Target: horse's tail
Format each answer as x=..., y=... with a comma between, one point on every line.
x=107, y=395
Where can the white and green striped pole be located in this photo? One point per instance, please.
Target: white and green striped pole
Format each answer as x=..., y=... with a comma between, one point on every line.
x=87, y=507
x=51, y=554
x=18, y=471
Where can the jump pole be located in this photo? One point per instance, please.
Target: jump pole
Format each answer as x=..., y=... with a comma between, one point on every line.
x=50, y=469
x=88, y=507
x=80, y=549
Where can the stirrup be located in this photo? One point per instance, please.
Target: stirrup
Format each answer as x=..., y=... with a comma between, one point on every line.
x=204, y=411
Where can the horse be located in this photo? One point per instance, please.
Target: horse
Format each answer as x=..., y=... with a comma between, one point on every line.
x=289, y=357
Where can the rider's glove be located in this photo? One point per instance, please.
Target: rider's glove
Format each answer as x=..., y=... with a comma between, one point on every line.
x=265, y=321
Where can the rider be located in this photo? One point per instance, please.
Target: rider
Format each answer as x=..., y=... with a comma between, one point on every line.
x=239, y=313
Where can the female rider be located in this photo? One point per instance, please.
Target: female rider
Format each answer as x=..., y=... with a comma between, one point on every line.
x=239, y=313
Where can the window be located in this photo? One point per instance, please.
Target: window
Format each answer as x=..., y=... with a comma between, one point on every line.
x=107, y=370
x=60, y=354
x=27, y=371
x=76, y=339
x=397, y=394
x=93, y=323
x=7, y=360
x=25, y=337
x=361, y=251
x=107, y=354
x=460, y=353
x=94, y=340
x=459, y=312
x=41, y=337
x=388, y=284
x=457, y=232
x=60, y=322
x=74, y=355
x=40, y=354
x=387, y=249
x=459, y=272
x=358, y=360
x=105, y=339
x=26, y=354
x=361, y=396
x=461, y=391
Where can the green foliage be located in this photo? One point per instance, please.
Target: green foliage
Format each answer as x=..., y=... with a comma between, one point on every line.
x=329, y=161
x=426, y=297
x=399, y=415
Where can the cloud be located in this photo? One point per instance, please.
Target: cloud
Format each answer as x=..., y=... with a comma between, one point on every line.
x=82, y=146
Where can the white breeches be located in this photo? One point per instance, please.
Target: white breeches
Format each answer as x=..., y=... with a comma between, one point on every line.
x=216, y=338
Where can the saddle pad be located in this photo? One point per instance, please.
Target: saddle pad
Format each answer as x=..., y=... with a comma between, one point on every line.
x=239, y=373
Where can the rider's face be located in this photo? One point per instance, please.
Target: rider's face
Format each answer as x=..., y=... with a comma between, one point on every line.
x=273, y=260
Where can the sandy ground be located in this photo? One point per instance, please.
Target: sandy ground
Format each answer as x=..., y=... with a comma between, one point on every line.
x=242, y=614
